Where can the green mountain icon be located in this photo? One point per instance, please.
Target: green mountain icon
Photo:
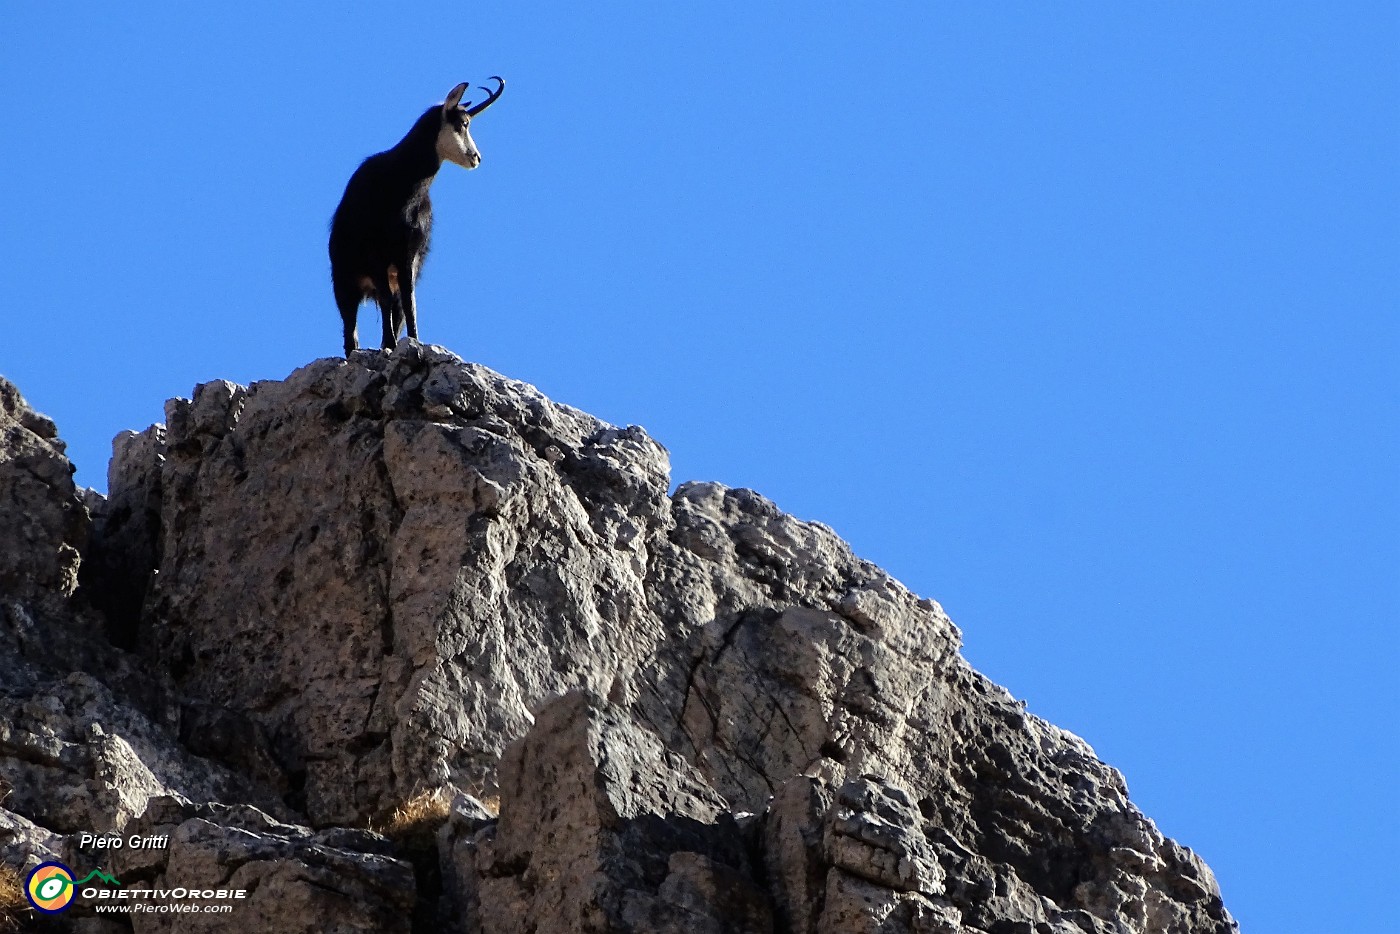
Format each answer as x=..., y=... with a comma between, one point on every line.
x=100, y=875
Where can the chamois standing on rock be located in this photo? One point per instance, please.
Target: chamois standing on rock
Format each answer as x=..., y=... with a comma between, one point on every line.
x=380, y=232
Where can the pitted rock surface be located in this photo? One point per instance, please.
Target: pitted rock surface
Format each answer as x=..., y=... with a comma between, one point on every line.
x=305, y=603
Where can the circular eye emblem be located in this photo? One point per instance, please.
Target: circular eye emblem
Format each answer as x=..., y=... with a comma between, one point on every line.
x=49, y=887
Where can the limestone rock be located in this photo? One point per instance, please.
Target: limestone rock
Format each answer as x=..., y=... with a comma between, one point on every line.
x=410, y=551
x=385, y=561
x=25, y=844
x=602, y=829
x=43, y=522
x=84, y=728
x=306, y=602
x=875, y=833
x=855, y=858
x=73, y=758
x=294, y=880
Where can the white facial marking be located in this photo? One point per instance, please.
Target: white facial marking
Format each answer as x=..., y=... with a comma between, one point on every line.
x=454, y=144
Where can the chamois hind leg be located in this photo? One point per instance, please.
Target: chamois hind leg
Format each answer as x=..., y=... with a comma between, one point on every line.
x=389, y=311
x=348, y=299
x=407, y=300
x=396, y=283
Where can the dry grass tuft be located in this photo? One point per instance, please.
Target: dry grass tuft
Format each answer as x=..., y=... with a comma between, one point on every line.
x=14, y=907
x=413, y=828
x=420, y=815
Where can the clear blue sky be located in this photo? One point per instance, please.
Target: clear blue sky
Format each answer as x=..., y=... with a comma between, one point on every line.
x=1079, y=318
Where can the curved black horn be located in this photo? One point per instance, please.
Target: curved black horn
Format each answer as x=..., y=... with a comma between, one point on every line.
x=490, y=96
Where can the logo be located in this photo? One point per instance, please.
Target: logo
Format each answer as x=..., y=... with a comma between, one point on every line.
x=50, y=886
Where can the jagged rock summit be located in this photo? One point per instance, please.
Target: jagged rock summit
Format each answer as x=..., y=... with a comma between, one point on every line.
x=400, y=644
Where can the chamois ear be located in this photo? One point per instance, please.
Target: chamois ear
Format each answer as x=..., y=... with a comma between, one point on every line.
x=454, y=97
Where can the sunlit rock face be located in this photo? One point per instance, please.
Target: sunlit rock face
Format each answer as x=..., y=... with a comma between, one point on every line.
x=405, y=579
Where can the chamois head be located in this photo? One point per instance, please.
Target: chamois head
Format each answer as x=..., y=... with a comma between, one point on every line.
x=454, y=142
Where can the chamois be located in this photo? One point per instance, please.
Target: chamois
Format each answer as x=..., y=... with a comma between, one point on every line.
x=380, y=231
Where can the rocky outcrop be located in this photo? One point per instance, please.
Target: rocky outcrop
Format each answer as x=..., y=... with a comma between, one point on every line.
x=601, y=828
x=291, y=877
x=404, y=574
x=42, y=520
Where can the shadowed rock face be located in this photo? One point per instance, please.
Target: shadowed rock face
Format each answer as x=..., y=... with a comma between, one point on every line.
x=43, y=523
x=404, y=573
